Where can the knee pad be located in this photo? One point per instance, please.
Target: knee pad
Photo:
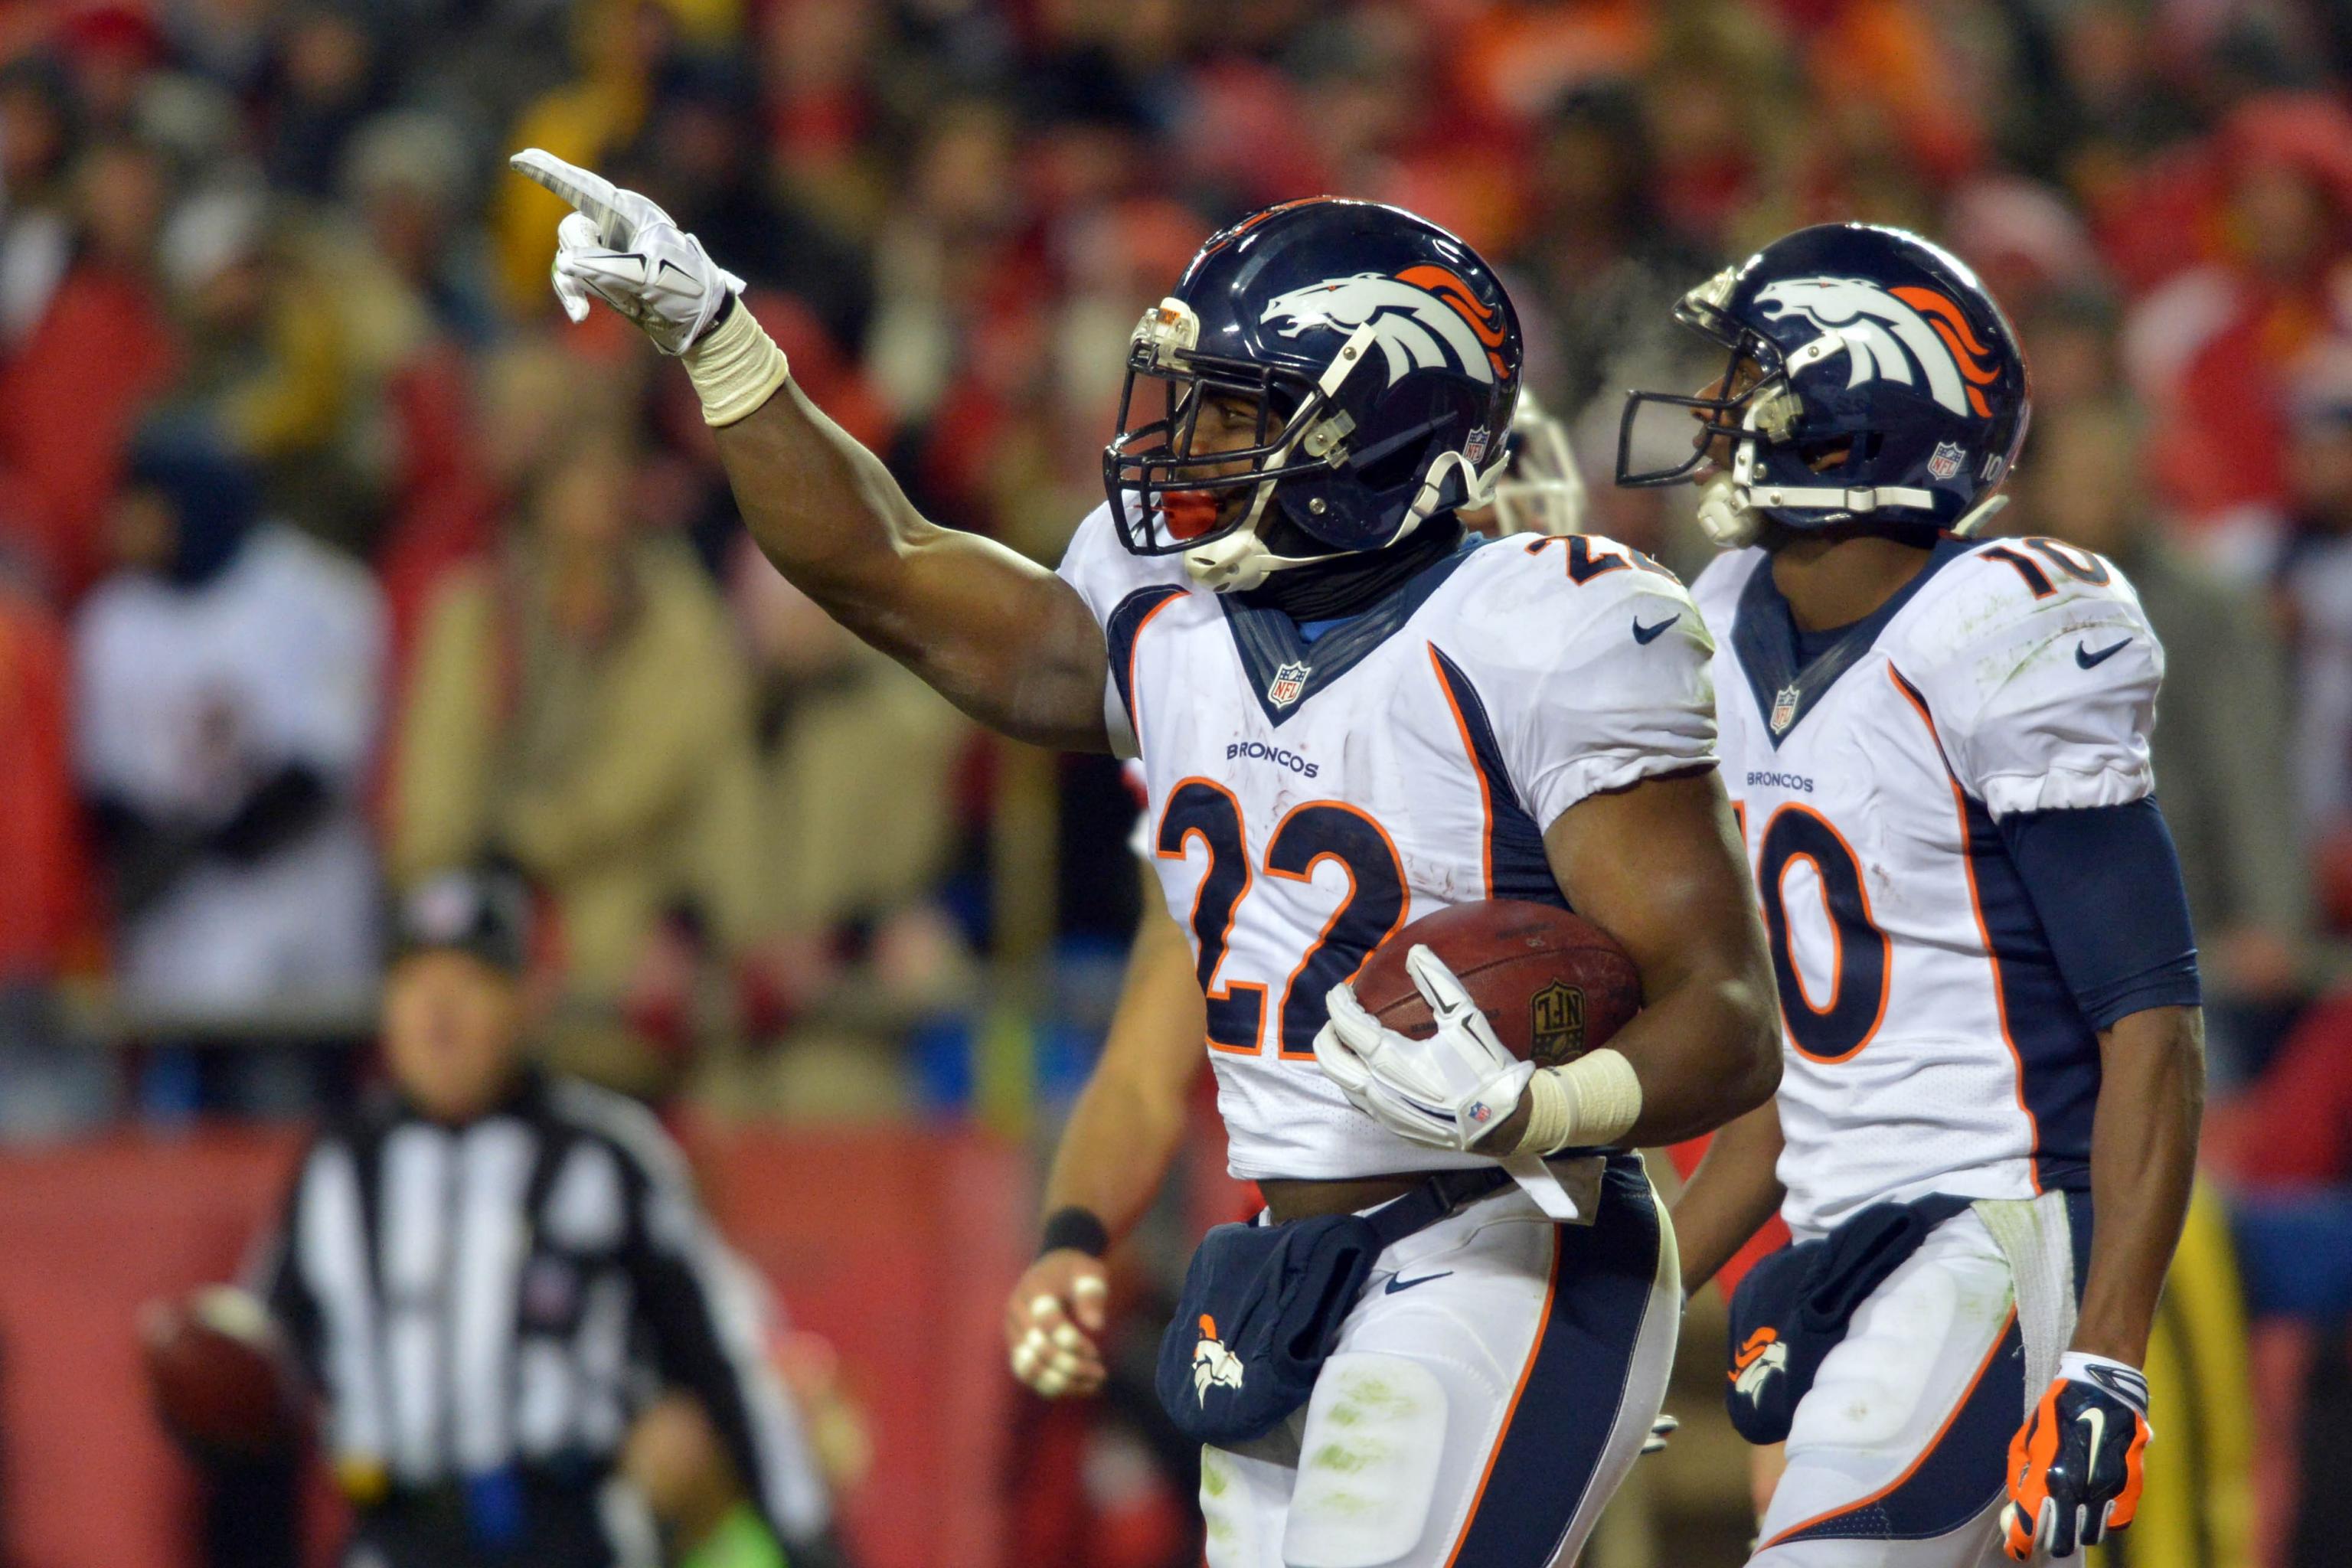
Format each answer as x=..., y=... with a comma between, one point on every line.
x=1871, y=1386
x=1230, y=1520
x=1367, y=1464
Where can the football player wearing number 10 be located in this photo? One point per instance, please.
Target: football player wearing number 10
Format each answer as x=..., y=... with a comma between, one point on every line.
x=1938, y=750
x=1347, y=716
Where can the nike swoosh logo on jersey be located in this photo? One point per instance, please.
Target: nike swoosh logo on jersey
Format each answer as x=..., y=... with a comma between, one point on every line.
x=2089, y=660
x=1647, y=635
x=1397, y=1282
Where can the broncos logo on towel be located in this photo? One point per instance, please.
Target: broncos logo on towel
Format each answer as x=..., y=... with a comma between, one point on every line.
x=1905, y=335
x=1424, y=317
x=1759, y=1359
x=1213, y=1364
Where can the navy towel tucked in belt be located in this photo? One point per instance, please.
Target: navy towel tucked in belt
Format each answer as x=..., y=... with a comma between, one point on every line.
x=1263, y=1306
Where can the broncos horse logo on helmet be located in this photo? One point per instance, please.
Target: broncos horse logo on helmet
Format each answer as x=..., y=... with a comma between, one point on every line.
x=1887, y=332
x=1872, y=382
x=1427, y=317
x=1289, y=309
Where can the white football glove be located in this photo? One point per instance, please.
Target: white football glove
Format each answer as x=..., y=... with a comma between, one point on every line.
x=1447, y=1091
x=621, y=248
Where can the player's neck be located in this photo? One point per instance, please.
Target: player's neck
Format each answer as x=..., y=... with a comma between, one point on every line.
x=1832, y=582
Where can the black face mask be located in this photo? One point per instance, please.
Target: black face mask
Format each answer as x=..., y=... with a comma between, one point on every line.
x=1350, y=583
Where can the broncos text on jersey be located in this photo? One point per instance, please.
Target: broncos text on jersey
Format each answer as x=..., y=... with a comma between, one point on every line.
x=1930, y=1043
x=1306, y=799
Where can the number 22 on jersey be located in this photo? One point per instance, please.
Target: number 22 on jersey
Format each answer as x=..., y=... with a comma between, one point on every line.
x=1369, y=911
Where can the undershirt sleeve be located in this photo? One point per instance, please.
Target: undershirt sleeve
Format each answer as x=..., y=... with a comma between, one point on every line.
x=2106, y=882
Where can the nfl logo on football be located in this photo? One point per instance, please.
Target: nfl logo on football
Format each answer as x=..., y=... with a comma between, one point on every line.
x=1288, y=682
x=1946, y=460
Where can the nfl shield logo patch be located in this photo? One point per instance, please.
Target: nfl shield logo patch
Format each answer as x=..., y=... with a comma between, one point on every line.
x=1288, y=682
x=1947, y=459
x=1784, y=709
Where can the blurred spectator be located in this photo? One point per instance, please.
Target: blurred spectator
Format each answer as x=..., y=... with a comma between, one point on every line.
x=2221, y=740
x=94, y=349
x=327, y=80
x=698, y=156
x=579, y=705
x=617, y=43
x=226, y=708
x=406, y=176
x=37, y=132
x=2315, y=585
x=49, y=1085
x=274, y=361
x=857, y=796
x=2209, y=351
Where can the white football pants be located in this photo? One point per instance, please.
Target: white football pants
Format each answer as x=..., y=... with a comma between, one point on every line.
x=1487, y=1395
x=1897, y=1454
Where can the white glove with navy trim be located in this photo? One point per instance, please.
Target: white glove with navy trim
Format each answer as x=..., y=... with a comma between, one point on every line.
x=1445, y=1092
x=627, y=252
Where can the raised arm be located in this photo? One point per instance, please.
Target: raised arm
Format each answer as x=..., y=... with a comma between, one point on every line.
x=1000, y=636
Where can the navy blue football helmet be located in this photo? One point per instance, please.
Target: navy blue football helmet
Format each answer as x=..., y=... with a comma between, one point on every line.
x=1873, y=381
x=1382, y=357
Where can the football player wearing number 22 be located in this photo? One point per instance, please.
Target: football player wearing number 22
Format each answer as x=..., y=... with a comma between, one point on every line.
x=1348, y=715
x=1938, y=751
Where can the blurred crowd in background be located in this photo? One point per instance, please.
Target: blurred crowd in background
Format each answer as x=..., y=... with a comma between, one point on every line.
x=330, y=555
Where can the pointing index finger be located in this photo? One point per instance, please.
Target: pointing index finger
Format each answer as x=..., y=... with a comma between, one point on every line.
x=592, y=194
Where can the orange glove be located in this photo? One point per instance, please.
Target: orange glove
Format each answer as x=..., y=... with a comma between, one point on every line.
x=2075, y=1465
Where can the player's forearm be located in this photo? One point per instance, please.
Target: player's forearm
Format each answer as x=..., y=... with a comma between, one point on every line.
x=1730, y=1195
x=1657, y=865
x=2143, y=1161
x=824, y=508
x=1004, y=640
x=1124, y=1129
x=1114, y=1152
x=1708, y=1051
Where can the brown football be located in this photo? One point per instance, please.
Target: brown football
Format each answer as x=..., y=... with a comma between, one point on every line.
x=1553, y=986
x=221, y=1375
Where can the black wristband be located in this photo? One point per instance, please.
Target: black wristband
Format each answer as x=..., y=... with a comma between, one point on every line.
x=1074, y=1227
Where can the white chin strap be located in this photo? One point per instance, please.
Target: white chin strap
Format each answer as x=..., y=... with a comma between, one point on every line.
x=1233, y=562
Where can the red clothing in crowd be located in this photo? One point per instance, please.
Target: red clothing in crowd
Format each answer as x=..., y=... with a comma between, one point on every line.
x=2294, y=1127
x=71, y=397
x=42, y=864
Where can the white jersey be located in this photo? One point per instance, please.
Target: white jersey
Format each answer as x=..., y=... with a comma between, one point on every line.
x=1305, y=800
x=1930, y=1043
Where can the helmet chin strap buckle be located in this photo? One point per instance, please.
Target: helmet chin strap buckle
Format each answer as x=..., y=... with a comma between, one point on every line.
x=1725, y=516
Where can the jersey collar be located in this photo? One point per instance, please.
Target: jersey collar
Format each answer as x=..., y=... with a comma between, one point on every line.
x=1285, y=670
x=1764, y=631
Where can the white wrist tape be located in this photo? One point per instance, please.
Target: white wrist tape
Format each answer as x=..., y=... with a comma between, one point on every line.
x=1590, y=1103
x=736, y=367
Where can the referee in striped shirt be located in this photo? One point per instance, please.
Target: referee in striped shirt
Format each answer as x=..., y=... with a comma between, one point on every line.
x=489, y=1271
